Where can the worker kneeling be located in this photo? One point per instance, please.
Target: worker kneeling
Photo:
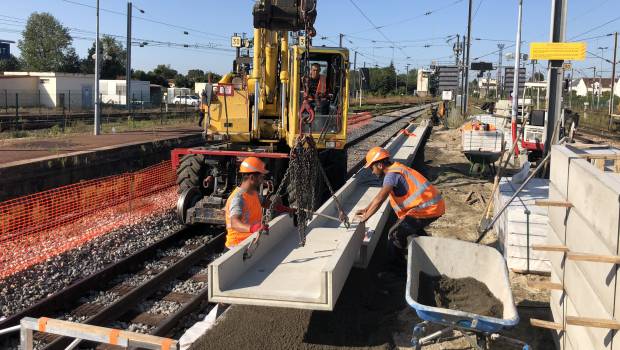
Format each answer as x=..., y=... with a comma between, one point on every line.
x=415, y=200
x=244, y=214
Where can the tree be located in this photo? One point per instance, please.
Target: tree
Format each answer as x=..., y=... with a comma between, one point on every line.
x=150, y=77
x=10, y=64
x=181, y=81
x=114, y=59
x=165, y=71
x=196, y=75
x=538, y=76
x=46, y=45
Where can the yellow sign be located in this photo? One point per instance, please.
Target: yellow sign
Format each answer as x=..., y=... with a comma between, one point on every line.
x=567, y=66
x=558, y=51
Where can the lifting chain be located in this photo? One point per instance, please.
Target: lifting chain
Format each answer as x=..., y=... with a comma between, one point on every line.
x=303, y=169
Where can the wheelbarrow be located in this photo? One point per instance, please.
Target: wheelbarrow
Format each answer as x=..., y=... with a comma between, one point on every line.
x=482, y=162
x=459, y=259
x=482, y=148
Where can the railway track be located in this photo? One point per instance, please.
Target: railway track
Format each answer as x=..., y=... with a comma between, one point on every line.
x=152, y=290
x=148, y=292
x=589, y=135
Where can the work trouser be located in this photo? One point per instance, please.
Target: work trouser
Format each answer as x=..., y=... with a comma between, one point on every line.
x=397, y=244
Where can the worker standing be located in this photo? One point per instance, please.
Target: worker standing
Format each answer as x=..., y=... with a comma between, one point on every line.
x=244, y=206
x=415, y=200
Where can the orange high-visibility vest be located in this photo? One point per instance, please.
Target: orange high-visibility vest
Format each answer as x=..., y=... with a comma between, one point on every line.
x=422, y=201
x=252, y=214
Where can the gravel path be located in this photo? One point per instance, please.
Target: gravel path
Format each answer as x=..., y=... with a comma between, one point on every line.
x=26, y=287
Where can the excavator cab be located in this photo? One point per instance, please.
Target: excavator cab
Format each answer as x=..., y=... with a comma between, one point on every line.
x=324, y=77
x=320, y=79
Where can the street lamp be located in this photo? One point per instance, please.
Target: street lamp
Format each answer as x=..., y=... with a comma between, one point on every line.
x=130, y=6
x=97, y=128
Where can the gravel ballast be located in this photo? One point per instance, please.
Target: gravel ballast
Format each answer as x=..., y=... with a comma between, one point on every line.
x=25, y=288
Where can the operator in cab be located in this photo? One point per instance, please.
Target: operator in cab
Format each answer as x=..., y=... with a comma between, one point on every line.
x=244, y=206
x=416, y=202
x=317, y=88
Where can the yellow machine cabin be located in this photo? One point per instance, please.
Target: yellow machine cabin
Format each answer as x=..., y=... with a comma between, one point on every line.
x=262, y=106
x=278, y=91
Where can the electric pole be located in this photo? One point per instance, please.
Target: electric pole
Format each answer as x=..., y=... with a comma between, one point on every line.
x=515, y=84
x=407, y=80
x=463, y=82
x=613, y=77
x=600, y=79
x=97, y=129
x=396, y=74
x=558, y=32
x=466, y=93
x=341, y=35
x=128, y=65
x=457, y=49
x=354, y=87
x=500, y=83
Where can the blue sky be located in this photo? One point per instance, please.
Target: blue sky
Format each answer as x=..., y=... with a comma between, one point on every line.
x=403, y=23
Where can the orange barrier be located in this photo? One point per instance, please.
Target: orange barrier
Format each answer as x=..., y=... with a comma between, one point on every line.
x=36, y=227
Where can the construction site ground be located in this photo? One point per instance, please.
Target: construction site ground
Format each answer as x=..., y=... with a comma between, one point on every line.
x=372, y=313
x=12, y=150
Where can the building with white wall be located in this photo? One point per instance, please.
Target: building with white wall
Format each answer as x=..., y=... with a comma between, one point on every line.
x=423, y=80
x=115, y=91
x=48, y=89
x=597, y=86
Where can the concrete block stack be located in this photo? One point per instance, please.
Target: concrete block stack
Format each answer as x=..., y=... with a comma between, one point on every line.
x=522, y=225
x=582, y=245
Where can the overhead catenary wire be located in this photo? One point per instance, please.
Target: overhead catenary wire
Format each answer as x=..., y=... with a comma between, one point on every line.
x=19, y=22
x=377, y=28
x=171, y=25
x=426, y=13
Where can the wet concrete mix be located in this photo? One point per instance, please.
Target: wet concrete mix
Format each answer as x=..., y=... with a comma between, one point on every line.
x=464, y=294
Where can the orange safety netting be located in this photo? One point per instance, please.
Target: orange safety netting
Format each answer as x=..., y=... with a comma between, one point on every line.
x=36, y=227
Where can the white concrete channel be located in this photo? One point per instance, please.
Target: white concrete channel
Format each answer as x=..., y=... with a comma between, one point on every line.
x=280, y=273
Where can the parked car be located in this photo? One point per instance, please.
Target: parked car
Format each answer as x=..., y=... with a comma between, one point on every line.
x=190, y=100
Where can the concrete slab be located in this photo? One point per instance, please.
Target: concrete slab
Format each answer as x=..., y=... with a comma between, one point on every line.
x=582, y=301
x=282, y=274
x=557, y=259
x=557, y=215
x=561, y=157
x=515, y=226
x=556, y=300
x=601, y=277
x=595, y=198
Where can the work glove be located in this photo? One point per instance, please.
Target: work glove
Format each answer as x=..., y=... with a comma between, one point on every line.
x=259, y=227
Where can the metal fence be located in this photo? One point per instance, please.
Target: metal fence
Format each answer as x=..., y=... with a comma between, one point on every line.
x=28, y=110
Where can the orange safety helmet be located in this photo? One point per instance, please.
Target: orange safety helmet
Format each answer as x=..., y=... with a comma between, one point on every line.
x=252, y=165
x=375, y=154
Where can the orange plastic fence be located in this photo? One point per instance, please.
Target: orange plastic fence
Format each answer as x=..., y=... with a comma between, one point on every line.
x=36, y=227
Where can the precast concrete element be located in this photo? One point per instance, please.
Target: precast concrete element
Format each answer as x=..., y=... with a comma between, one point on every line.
x=280, y=273
x=588, y=179
x=522, y=225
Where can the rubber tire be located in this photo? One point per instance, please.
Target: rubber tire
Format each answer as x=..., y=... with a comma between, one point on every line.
x=191, y=172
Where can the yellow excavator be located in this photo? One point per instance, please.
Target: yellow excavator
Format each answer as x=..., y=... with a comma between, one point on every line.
x=287, y=92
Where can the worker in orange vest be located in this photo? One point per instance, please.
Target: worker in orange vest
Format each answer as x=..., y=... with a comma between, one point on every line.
x=317, y=89
x=244, y=206
x=415, y=200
